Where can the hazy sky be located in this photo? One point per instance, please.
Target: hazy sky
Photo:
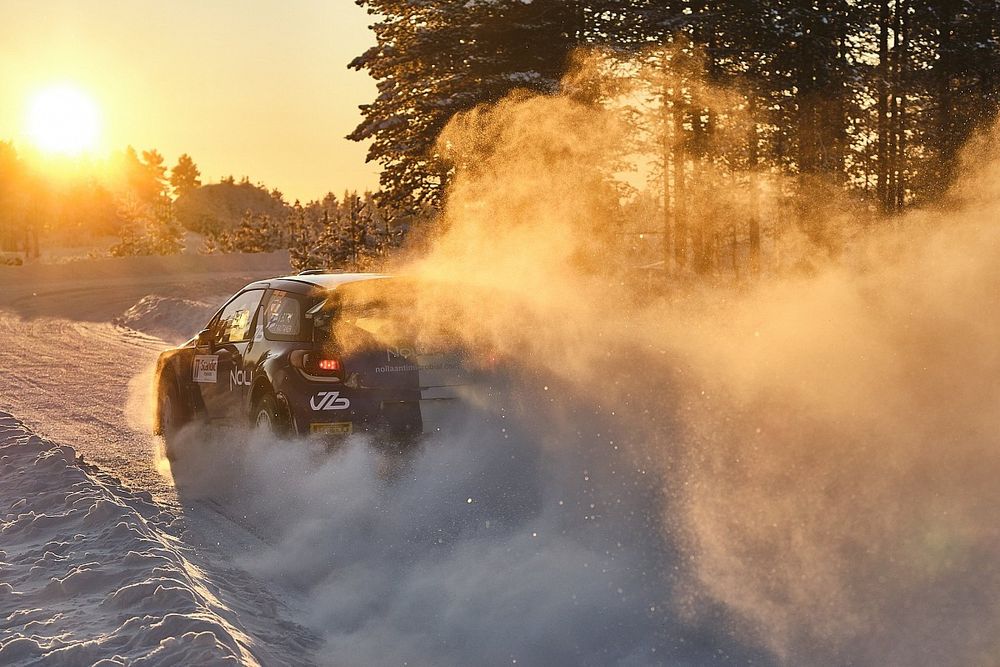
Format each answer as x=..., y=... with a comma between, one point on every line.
x=255, y=88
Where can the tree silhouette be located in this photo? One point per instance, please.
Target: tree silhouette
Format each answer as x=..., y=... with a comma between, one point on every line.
x=184, y=177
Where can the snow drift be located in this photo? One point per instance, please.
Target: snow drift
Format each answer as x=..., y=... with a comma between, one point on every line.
x=172, y=319
x=95, y=574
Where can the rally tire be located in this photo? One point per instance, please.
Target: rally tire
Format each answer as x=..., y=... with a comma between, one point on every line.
x=267, y=417
x=171, y=416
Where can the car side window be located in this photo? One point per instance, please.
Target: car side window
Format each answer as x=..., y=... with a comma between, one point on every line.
x=284, y=316
x=233, y=324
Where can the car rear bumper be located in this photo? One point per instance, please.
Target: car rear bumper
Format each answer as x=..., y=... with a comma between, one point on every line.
x=335, y=409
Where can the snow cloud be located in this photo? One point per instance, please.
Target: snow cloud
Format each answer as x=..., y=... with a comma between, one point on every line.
x=800, y=468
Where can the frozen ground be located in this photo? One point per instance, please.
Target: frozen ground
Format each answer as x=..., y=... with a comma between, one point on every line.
x=68, y=372
x=565, y=522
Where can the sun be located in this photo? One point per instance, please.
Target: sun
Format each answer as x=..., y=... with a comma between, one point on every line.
x=63, y=120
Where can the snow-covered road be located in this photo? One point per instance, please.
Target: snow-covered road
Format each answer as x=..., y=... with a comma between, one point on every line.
x=70, y=381
x=69, y=373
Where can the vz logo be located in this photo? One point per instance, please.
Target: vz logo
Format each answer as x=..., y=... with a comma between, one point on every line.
x=240, y=377
x=329, y=400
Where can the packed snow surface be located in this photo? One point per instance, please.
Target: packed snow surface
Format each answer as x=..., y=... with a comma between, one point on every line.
x=629, y=516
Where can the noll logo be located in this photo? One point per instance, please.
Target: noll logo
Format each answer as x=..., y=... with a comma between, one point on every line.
x=394, y=354
x=240, y=377
x=329, y=400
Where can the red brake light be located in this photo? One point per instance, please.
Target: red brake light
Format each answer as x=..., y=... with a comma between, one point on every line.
x=313, y=364
x=329, y=364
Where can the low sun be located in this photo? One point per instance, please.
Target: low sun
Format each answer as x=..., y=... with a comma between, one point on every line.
x=63, y=120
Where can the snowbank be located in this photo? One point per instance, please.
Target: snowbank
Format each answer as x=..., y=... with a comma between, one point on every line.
x=171, y=318
x=92, y=573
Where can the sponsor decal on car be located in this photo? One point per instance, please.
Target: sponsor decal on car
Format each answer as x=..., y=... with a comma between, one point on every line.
x=397, y=369
x=409, y=359
x=329, y=400
x=206, y=368
x=239, y=377
x=395, y=354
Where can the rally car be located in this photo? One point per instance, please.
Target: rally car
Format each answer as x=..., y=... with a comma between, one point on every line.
x=308, y=354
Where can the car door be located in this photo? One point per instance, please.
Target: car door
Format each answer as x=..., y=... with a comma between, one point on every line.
x=219, y=368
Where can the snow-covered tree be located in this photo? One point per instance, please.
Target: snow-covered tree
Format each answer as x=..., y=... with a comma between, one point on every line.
x=147, y=229
x=353, y=232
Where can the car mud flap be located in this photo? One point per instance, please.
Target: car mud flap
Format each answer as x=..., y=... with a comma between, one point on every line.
x=402, y=417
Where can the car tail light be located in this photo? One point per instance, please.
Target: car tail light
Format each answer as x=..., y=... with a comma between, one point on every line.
x=317, y=364
x=328, y=364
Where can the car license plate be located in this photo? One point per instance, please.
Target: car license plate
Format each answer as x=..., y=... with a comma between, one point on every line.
x=336, y=428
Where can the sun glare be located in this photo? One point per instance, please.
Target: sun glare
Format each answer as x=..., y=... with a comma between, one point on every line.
x=63, y=120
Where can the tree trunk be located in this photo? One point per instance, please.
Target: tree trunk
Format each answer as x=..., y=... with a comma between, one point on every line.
x=902, y=76
x=668, y=155
x=883, y=106
x=679, y=178
x=753, y=159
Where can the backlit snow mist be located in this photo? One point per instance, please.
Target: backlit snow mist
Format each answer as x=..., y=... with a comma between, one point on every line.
x=799, y=469
x=484, y=547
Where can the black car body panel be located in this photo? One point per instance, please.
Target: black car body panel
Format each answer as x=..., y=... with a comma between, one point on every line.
x=268, y=340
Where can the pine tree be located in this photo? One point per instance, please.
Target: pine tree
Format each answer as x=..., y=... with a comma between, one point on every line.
x=154, y=186
x=436, y=58
x=184, y=177
x=147, y=229
x=12, y=198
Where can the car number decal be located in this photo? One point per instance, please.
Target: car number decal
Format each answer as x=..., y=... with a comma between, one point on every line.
x=206, y=368
x=329, y=400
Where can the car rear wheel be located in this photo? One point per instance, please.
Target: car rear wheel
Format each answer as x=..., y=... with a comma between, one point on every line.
x=171, y=416
x=267, y=417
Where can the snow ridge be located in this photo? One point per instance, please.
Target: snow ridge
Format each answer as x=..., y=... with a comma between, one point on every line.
x=91, y=573
x=170, y=318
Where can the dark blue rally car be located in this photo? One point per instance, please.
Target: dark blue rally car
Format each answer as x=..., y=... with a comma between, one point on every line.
x=314, y=353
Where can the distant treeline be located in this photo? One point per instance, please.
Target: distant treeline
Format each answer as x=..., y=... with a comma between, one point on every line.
x=64, y=201
x=747, y=117
x=148, y=206
x=352, y=231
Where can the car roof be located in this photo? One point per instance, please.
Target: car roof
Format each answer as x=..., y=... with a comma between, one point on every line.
x=323, y=281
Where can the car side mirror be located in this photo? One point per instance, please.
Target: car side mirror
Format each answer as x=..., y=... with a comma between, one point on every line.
x=204, y=338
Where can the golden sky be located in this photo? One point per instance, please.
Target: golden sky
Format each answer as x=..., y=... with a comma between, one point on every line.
x=255, y=88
